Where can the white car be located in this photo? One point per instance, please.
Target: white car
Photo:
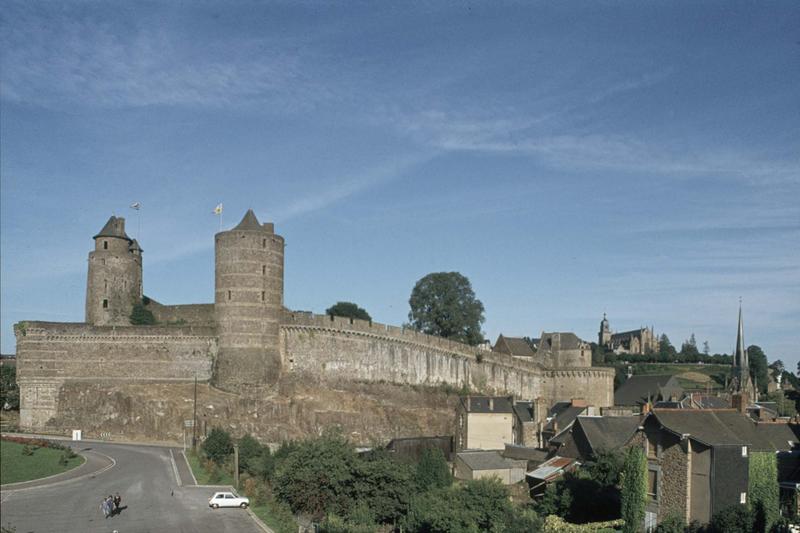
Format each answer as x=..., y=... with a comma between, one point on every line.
x=228, y=499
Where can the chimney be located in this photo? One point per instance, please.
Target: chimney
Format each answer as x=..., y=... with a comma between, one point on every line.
x=739, y=401
x=646, y=408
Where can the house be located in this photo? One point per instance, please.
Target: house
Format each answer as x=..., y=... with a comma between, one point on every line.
x=789, y=482
x=529, y=420
x=640, y=389
x=698, y=460
x=410, y=449
x=562, y=415
x=513, y=346
x=590, y=435
x=484, y=422
x=486, y=464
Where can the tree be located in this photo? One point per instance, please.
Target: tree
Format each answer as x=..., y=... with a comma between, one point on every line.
x=316, y=478
x=348, y=310
x=250, y=452
x=605, y=467
x=764, y=491
x=634, y=489
x=141, y=316
x=758, y=367
x=432, y=470
x=444, y=304
x=666, y=352
x=9, y=390
x=706, y=348
x=777, y=368
x=218, y=445
x=382, y=489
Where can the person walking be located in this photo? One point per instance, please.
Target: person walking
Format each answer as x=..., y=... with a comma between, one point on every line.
x=104, y=507
x=117, y=502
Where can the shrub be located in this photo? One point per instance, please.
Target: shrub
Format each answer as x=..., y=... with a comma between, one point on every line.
x=673, y=523
x=218, y=446
x=634, y=489
x=764, y=490
x=734, y=519
x=27, y=450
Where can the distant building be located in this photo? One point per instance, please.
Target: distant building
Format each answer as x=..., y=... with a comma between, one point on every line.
x=484, y=422
x=590, y=435
x=514, y=346
x=563, y=349
x=637, y=341
x=562, y=415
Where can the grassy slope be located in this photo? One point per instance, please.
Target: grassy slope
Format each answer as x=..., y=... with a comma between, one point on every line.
x=203, y=477
x=15, y=467
x=681, y=371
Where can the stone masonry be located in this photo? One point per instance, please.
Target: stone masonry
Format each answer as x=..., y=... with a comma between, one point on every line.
x=246, y=342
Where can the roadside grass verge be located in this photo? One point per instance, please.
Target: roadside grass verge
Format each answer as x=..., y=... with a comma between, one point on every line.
x=16, y=466
x=207, y=473
x=277, y=517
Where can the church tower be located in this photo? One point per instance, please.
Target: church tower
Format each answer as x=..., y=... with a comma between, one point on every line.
x=114, y=283
x=742, y=383
x=248, y=301
x=604, y=337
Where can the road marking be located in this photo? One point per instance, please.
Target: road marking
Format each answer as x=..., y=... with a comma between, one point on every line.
x=175, y=468
x=189, y=467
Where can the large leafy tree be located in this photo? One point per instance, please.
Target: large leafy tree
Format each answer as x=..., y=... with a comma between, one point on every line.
x=758, y=367
x=348, y=310
x=218, y=446
x=432, y=470
x=9, y=390
x=444, y=304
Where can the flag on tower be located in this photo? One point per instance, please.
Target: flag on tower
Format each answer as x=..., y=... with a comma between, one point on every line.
x=136, y=205
x=218, y=209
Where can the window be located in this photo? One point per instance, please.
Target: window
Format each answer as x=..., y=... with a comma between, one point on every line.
x=263, y=270
x=263, y=295
x=263, y=243
x=652, y=484
x=105, y=304
x=744, y=451
x=229, y=295
x=105, y=245
x=105, y=284
x=743, y=498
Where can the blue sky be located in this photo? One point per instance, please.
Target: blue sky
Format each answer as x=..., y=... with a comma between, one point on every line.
x=639, y=159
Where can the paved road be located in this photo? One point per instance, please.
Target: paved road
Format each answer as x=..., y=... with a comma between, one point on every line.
x=152, y=501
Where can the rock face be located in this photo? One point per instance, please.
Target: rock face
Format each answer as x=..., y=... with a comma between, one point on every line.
x=367, y=413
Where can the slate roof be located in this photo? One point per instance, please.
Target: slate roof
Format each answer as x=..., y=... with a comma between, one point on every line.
x=608, y=432
x=135, y=246
x=524, y=411
x=489, y=460
x=702, y=401
x=569, y=341
x=249, y=222
x=513, y=451
x=563, y=414
x=480, y=404
x=115, y=227
x=721, y=427
x=515, y=345
x=636, y=389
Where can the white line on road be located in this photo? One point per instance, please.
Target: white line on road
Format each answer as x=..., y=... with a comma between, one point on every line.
x=84, y=476
x=189, y=467
x=175, y=468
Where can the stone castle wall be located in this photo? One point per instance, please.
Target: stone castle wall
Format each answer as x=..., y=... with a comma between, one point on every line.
x=189, y=314
x=357, y=349
x=52, y=354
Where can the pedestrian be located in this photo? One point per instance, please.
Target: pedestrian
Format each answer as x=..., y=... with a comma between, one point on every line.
x=104, y=507
x=117, y=501
x=110, y=505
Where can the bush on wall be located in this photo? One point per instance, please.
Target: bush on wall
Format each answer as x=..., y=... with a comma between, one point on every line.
x=764, y=489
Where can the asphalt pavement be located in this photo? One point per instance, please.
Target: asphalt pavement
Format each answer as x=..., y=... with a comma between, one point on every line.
x=154, y=499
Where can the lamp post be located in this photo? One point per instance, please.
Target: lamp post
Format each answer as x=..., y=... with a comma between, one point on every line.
x=236, y=465
x=194, y=416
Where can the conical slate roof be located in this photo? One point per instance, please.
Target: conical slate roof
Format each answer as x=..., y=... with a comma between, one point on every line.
x=249, y=222
x=135, y=246
x=115, y=227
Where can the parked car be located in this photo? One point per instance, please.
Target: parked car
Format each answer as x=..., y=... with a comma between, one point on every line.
x=228, y=499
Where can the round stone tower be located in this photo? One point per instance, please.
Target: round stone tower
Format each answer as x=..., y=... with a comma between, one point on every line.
x=114, y=282
x=248, y=300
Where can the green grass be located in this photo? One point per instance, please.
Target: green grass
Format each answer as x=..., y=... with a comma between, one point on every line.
x=204, y=477
x=16, y=467
x=279, y=518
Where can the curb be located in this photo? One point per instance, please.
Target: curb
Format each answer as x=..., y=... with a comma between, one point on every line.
x=260, y=523
x=9, y=488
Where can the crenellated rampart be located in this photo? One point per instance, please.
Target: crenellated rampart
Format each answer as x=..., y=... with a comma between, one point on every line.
x=356, y=349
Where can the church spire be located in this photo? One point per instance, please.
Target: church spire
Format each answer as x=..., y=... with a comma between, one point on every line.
x=740, y=355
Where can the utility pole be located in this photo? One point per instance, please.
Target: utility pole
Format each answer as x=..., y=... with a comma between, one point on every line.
x=194, y=417
x=236, y=465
